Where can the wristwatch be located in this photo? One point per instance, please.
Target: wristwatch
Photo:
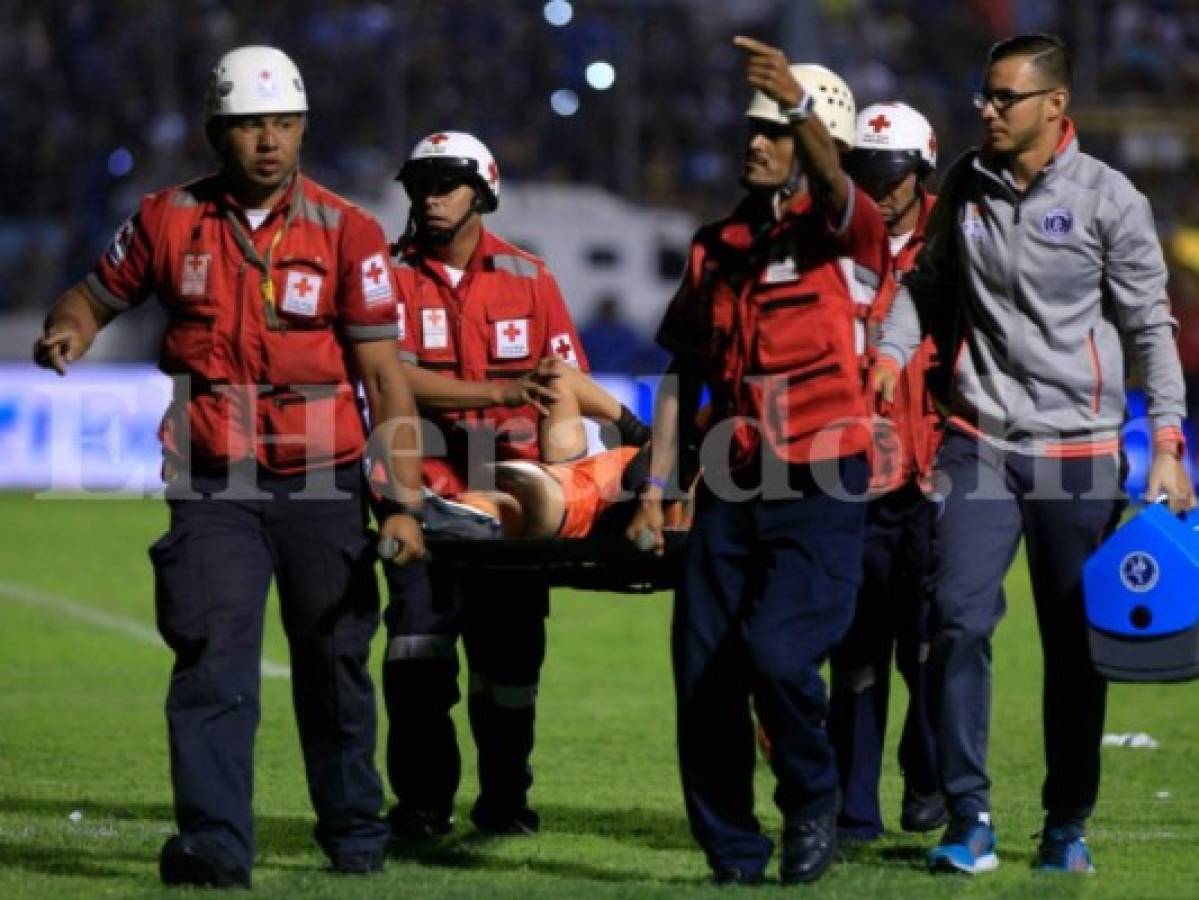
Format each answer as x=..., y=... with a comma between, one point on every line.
x=801, y=111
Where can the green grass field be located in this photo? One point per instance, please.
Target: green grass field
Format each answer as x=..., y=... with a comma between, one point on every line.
x=81, y=729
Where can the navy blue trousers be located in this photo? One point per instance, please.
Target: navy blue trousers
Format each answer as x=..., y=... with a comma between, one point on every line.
x=767, y=591
x=891, y=619
x=502, y=625
x=1063, y=509
x=212, y=571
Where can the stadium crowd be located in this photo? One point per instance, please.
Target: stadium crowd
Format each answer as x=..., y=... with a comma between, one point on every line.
x=98, y=98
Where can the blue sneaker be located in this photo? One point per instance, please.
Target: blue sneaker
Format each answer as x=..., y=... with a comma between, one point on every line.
x=968, y=845
x=1063, y=851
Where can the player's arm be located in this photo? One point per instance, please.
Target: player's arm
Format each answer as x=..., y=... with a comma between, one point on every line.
x=396, y=441
x=437, y=391
x=677, y=401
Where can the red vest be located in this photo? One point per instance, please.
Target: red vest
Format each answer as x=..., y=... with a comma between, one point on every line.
x=770, y=319
x=907, y=439
x=266, y=368
x=504, y=315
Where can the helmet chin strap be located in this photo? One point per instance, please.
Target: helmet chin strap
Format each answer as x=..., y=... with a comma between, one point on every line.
x=898, y=216
x=439, y=237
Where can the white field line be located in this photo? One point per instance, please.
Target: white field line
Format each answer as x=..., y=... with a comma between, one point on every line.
x=128, y=627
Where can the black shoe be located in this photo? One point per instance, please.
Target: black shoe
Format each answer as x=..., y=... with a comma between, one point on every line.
x=195, y=860
x=366, y=862
x=521, y=821
x=809, y=846
x=730, y=875
x=922, y=812
x=411, y=824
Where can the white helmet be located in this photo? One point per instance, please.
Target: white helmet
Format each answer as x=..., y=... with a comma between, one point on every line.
x=892, y=140
x=447, y=155
x=255, y=80
x=834, y=101
x=898, y=128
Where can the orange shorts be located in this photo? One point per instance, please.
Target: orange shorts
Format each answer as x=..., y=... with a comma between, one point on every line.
x=590, y=486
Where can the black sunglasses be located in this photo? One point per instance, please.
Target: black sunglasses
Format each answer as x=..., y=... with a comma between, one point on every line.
x=435, y=187
x=1004, y=98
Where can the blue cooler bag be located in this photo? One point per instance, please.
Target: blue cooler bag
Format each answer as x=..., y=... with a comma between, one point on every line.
x=1142, y=598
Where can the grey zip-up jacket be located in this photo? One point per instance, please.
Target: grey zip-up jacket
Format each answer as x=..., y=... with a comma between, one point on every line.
x=1035, y=298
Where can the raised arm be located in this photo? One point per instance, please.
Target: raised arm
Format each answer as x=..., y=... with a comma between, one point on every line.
x=767, y=70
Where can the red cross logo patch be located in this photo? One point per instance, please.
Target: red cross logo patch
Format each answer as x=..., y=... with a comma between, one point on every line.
x=564, y=348
x=376, y=281
x=193, y=282
x=879, y=123
x=266, y=86
x=512, y=338
x=302, y=294
x=434, y=330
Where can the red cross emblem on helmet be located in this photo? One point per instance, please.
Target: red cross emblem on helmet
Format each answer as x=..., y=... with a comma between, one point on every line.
x=436, y=139
x=879, y=123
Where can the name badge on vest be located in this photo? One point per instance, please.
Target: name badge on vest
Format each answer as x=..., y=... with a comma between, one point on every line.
x=302, y=293
x=781, y=271
x=194, y=281
x=434, y=329
x=512, y=338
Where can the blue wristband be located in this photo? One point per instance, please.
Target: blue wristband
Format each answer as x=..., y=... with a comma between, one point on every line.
x=654, y=481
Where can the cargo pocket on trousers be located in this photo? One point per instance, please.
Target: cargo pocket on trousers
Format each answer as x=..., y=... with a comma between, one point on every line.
x=178, y=597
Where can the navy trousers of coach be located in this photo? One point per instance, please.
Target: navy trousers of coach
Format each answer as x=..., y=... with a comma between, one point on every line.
x=767, y=590
x=891, y=618
x=501, y=621
x=1063, y=509
x=212, y=572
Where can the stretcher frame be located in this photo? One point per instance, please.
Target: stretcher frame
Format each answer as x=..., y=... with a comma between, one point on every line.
x=604, y=562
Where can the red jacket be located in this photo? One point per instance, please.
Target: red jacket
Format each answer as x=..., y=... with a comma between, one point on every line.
x=907, y=439
x=505, y=314
x=264, y=376
x=765, y=310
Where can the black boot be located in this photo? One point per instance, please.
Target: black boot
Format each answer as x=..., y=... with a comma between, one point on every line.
x=808, y=848
x=197, y=861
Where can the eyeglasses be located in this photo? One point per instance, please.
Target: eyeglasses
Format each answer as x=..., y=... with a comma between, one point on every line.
x=1004, y=99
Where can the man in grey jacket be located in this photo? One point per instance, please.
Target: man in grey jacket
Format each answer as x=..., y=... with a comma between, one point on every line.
x=1042, y=264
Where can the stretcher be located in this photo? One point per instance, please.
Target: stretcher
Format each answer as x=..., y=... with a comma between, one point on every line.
x=599, y=562
x=460, y=537
x=604, y=560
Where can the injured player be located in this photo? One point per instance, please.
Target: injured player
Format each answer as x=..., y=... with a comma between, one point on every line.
x=564, y=494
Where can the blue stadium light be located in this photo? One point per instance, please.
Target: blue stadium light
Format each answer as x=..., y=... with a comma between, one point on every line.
x=558, y=12
x=564, y=102
x=120, y=162
x=601, y=75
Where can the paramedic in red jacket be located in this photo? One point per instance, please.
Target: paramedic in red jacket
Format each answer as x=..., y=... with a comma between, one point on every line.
x=478, y=310
x=764, y=318
x=895, y=152
x=279, y=298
